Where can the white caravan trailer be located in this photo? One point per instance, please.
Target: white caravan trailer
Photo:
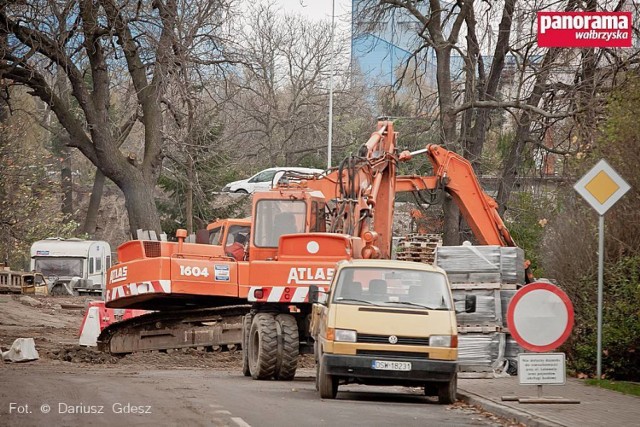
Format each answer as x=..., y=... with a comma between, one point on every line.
x=72, y=266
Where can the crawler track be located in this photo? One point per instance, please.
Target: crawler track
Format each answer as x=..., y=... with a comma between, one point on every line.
x=207, y=327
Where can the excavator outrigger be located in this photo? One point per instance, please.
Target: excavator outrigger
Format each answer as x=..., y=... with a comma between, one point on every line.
x=299, y=230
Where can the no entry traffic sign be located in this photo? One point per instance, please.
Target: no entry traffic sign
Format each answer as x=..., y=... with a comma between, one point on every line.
x=540, y=317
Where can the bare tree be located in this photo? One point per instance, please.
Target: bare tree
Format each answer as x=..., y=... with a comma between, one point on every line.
x=277, y=104
x=440, y=29
x=564, y=104
x=545, y=88
x=106, y=48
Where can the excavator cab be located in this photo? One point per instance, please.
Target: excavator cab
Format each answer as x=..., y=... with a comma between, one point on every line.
x=221, y=231
x=230, y=234
x=285, y=212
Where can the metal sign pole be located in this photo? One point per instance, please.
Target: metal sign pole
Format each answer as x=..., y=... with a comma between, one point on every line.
x=601, y=187
x=600, y=287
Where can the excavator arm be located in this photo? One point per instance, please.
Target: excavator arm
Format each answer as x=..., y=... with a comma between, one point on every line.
x=455, y=174
x=369, y=203
x=363, y=191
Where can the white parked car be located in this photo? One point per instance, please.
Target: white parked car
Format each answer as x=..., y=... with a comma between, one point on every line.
x=264, y=180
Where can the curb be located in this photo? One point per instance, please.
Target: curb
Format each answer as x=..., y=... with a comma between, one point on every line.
x=504, y=411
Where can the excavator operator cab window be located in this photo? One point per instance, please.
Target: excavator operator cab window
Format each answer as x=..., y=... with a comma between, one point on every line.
x=215, y=236
x=277, y=217
x=234, y=230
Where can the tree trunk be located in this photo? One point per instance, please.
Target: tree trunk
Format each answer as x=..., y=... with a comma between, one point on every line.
x=66, y=184
x=141, y=206
x=91, y=220
x=488, y=89
x=452, y=233
x=189, y=195
x=514, y=158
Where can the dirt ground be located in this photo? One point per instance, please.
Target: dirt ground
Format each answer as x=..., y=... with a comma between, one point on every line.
x=54, y=323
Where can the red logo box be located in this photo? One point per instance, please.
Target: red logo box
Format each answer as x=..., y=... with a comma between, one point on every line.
x=584, y=29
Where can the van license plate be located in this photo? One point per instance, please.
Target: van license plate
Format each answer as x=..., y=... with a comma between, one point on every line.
x=387, y=365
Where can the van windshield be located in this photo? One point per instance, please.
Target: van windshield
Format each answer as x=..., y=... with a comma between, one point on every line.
x=61, y=267
x=385, y=286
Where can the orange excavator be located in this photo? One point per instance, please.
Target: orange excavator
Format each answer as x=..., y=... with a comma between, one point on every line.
x=299, y=230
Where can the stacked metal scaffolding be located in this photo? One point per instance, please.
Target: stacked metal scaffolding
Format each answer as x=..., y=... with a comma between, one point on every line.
x=492, y=274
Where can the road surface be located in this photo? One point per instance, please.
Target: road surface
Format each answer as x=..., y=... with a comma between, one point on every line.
x=63, y=394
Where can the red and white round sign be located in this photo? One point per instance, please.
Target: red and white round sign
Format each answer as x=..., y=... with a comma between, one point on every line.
x=540, y=317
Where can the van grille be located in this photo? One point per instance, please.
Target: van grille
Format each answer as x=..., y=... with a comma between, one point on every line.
x=384, y=339
x=151, y=249
x=391, y=354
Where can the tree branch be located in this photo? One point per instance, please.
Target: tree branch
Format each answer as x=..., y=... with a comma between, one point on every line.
x=129, y=48
x=95, y=52
x=513, y=104
x=36, y=82
x=39, y=42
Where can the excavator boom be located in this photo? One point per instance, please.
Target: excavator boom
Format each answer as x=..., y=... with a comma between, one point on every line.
x=454, y=173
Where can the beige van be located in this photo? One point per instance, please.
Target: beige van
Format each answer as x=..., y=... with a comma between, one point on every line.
x=386, y=322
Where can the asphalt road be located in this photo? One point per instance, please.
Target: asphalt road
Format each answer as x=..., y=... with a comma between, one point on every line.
x=68, y=395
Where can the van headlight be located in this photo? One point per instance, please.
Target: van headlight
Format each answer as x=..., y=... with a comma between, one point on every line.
x=226, y=188
x=342, y=335
x=442, y=341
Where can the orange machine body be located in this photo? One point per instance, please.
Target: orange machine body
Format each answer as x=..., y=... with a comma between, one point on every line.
x=159, y=275
x=298, y=231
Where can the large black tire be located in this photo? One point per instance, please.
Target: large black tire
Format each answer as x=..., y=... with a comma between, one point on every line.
x=263, y=346
x=327, y=384
x=246, y=328
x=288, y=347
x=447, y=391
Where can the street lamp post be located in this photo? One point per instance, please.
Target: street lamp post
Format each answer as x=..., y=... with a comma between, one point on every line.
x=331, y=69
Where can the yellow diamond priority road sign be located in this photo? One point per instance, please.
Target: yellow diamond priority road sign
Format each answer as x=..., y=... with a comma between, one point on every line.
x=602, y=187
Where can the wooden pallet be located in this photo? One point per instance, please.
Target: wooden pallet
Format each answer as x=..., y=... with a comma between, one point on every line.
x=414, y=257
x=417, y=253
x=418, y=248
x=417, y=236
x=418, y=245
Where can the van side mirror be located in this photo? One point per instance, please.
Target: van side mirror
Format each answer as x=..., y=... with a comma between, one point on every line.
x=317, y=296
x=470, y=304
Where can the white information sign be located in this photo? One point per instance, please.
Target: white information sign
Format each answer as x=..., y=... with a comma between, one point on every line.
x=541, y=368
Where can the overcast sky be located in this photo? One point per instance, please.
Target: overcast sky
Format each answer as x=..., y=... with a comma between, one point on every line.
x=316, y=9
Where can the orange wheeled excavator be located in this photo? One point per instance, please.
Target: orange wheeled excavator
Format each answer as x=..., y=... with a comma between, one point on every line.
x=299, y=230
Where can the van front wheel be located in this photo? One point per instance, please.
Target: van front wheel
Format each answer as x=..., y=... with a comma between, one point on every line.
x=327, y=384
x=447, y=391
